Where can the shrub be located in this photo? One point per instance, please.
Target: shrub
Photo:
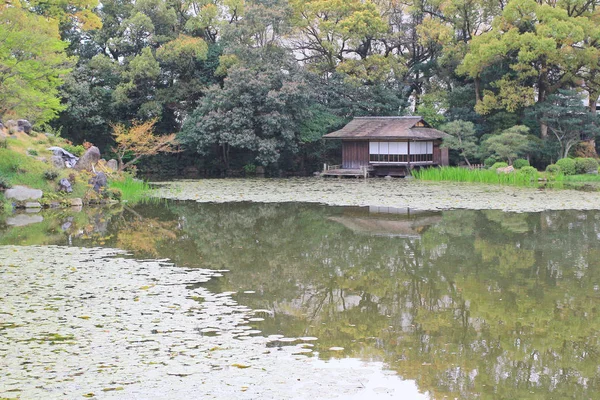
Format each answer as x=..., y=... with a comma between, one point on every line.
x=567, y=166
x=3, y=144
x=586, y=165
x=553, y=169
x=114, y=193
x=499, y=165
x=32, y=152
x=530, y=172
x=249, y=169
x=50, y=175
x=488, y=162
x=520, y=163
x=4, y=183
x=75, y=150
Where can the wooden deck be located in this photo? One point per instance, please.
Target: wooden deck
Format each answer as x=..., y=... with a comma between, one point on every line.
x=345, y=173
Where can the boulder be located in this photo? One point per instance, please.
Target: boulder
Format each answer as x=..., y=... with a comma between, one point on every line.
x=24, y=219
x=24, y=126
x=33, y=204
x=65, y=186
x=57, y=162
x=77, y=202
x=505, y=170
x=69, y=159
x=23, y=193
x=88, y=159
x=98, y=181
x=11, y=123
x=112, y=164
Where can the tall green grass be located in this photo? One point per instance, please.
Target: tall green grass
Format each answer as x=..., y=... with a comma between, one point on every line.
x=133, y=190
x=458, y=174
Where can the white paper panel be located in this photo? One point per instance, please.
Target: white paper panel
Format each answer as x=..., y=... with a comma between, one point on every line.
x=374, y=147
x=394, y=148
x=403, y=148
x=383, y=147
x=429, y=147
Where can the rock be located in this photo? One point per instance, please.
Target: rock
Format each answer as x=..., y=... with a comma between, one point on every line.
x=33, y=204
x=55, y=204
x=24, y=126
x=98, y=182
x=69, y=159
x=24, y=219
x=22, y=193
x=76, y=202
x=11, y=123
x=505, y=170
x=88, y=159
x=65, y=186
x=112, y=164
x=57, y=162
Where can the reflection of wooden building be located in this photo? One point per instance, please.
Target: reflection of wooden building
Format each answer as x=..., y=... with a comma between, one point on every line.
x=387, y=221
x=388, y=146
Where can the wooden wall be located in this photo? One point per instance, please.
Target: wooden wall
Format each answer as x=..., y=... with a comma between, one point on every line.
x=355, y=154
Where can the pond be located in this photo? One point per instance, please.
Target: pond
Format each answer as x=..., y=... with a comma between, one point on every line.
x=299, y=300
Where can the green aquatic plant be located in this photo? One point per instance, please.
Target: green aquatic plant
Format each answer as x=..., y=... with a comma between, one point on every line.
x=458, y=174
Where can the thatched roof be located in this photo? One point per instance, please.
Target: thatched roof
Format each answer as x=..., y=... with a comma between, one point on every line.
x=387, y=128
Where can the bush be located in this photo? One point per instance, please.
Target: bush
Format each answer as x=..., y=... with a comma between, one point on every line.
x=520, y=163
x=75, y=150
x=499, y=165
x=553, y=169
x=32, y=152
x=3, y=144
x=567, y=166
x=50, y=175
x=586, y=165
x=488, y=162
x=4, y=183
x=114, y=193
x=530, y=172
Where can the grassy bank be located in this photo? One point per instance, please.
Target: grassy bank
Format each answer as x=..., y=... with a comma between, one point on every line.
x=458, y=174
x=25, y=160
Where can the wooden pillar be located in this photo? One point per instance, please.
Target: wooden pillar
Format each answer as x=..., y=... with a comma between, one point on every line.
x=408, y=159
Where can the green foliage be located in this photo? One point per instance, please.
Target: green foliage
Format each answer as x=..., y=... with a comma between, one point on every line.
x=75, y=150
x=529, y=172
x=490, y=161
x=32, y=152
x=508, y=144
x=4, y=183
x=497, y=165
x=553, y=169
x=520, y=163
x=462, y=138
x=50, y=174
x=249, y=169
x=567, y=166
x=3, y=144
x=458, y=174
x=32, y=63
x=586, y=165
x=131, y=190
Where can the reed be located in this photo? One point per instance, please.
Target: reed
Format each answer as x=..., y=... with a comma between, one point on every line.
x=132, y=190
x=458, y=174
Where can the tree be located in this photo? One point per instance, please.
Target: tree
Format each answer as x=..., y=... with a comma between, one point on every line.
x=462, y=138
x=260, y=109
x=32, y=65
x=540, y=42
x=509, y=144
x=140, y=141
x=568, y=119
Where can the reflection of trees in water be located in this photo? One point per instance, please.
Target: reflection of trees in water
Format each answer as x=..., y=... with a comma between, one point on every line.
x=469, y=304
x=483, y=303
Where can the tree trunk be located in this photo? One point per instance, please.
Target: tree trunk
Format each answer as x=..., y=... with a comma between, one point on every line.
x=477, y=90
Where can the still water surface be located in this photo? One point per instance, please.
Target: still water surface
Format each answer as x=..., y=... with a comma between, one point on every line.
x=467, y=304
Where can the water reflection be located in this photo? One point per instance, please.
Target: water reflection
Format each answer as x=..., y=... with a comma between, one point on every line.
x=468, y=304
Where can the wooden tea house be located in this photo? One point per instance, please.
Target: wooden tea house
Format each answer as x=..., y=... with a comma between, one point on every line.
x=382, y=146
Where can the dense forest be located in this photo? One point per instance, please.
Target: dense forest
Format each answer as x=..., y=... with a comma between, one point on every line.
x=248, y=83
